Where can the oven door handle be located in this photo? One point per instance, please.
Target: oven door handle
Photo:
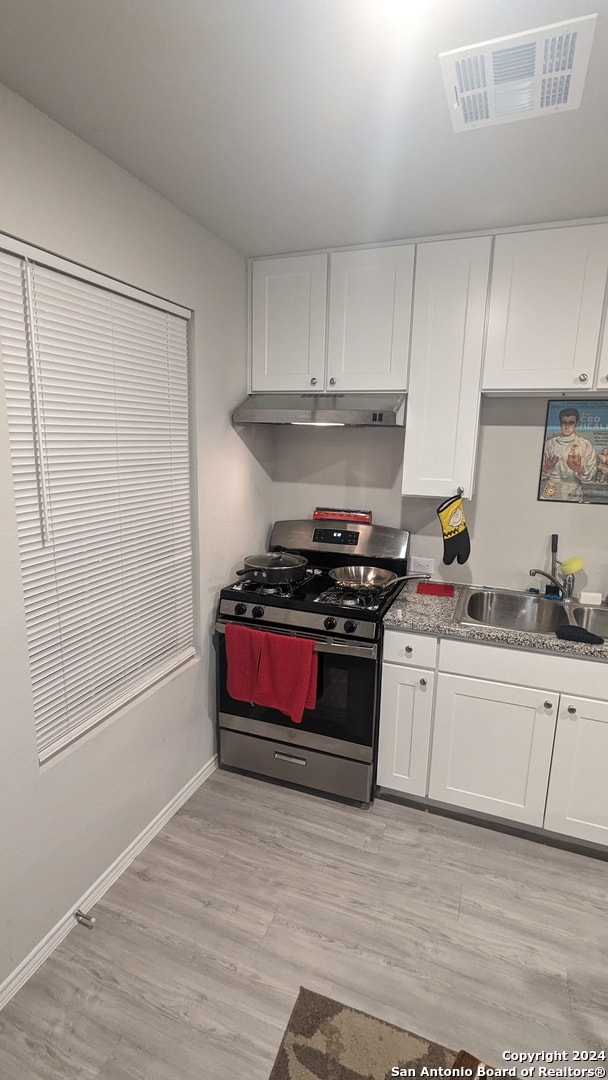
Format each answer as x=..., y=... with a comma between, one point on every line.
x=324, y=645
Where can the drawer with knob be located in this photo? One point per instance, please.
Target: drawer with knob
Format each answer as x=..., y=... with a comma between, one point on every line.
x=419, y=650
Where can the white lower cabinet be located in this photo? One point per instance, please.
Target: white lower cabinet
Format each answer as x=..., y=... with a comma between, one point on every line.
x=406, y=709
x=405, y=728
x=577, y=803
x=510, y=750
x=492, y=745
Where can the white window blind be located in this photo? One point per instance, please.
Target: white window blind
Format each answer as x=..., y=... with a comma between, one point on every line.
x=97, y=397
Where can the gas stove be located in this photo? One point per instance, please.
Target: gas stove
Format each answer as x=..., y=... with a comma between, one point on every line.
x=332, y=750
x=316, y=603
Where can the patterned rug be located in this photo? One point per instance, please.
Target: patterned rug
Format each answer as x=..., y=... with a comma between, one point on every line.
x=325, y=1040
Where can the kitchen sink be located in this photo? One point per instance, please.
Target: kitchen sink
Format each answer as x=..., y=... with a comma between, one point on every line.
x=510, y=610
x=594, y=619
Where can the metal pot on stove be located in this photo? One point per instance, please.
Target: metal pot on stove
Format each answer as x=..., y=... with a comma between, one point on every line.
x=274, y=567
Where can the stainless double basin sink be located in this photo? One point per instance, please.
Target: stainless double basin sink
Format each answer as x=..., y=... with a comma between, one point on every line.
x=506, y=609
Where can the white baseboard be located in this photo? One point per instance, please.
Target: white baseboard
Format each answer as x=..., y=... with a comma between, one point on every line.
x=44, y=948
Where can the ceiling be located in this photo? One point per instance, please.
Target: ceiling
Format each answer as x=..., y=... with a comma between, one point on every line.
x=289, y=125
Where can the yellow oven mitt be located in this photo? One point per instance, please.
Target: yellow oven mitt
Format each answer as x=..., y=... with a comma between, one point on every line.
x=456, y=540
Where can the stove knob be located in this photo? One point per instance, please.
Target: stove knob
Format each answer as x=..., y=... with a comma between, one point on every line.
x=350, y=626
x=330, y=623
x=257, y=612
x=240, y=609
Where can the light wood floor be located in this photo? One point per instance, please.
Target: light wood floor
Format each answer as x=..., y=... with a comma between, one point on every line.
x=478, y=940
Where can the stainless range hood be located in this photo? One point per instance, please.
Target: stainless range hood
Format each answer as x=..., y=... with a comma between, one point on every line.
x=323, y=410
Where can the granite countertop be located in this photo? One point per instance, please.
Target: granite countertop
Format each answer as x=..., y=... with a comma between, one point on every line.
x=425, y=614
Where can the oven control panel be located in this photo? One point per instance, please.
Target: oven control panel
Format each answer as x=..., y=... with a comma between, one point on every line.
x=336, y=536
x=312, y=621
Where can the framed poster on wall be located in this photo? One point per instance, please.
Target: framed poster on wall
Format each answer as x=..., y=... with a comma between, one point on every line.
x=574, y=466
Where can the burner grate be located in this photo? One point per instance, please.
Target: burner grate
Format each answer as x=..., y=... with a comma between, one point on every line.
x=284, y=590
x=351, y=598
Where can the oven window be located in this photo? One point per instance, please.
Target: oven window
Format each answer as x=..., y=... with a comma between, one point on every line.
x=346, y=697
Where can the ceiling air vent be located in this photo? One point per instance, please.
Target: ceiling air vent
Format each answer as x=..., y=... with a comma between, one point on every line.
x=530, y=74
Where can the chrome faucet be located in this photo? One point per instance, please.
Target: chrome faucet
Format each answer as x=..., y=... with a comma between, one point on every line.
x=565, y=587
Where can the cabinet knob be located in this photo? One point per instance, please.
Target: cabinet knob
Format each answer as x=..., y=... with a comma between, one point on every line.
x=583, y=377
x=313, y=382
x=548, y=704
x=409, y=650
x=572, y=709
x=332, y=381
x=423, y=682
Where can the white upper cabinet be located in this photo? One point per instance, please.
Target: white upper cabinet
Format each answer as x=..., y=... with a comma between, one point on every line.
x=288, y=323
x=333, y=323
x=370, y=303
x=545, y=310
x=368, y=328
x=450, y=296
x=601, y=375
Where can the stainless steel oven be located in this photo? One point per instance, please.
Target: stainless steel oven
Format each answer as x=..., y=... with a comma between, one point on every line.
x=333, y=749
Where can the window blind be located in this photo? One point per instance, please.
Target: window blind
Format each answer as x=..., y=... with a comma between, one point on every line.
x=97, y=399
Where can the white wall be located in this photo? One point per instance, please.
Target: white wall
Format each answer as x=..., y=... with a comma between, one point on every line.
x=65, y=823
x=358, y=468
x=510, y=530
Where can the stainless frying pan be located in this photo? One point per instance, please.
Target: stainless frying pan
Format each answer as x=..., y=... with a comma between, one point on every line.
x=368, y=577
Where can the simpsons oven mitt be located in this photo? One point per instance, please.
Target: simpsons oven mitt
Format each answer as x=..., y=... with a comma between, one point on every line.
x=456, y=541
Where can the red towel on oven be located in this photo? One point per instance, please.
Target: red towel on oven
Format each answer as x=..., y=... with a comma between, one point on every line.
x=273, y=670
x=287, y=675
x=243, y=650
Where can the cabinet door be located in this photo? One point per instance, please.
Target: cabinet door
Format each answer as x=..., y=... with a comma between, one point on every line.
x=450, y=294
x=405, y=728
x=370, y=302
x=546, y=309
x=601, y=374
x=577, y=804
x=492, y=747
x=288, y=308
